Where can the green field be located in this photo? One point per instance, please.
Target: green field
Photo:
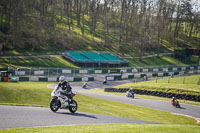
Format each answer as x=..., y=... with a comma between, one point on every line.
x=56, y=62
x=181, y=85
x=161, y=61
x=155, y=61
x=118, y=128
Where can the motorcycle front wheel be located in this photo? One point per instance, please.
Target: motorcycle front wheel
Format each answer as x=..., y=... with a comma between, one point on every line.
x=54, y=106
x=73, y=106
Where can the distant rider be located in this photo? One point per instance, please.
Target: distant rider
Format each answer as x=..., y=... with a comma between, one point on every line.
x=130, y=93
x=65, y=86
x=174, y=101
x=84, y=85
x=105, y=80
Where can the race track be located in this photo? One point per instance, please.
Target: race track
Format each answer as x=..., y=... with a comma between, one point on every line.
x=186, y=109
x=20, y=116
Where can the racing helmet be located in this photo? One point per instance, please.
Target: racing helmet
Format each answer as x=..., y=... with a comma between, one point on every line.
x=62, y=78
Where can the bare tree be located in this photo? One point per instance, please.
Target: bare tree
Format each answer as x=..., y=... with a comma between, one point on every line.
x=94, y=14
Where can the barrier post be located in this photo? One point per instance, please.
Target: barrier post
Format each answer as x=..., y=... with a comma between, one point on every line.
x=199, y=81
x=156, y=79
x=29, y=72
x=184, y=79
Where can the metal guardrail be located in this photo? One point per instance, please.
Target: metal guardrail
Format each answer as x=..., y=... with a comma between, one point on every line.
x=39, y=71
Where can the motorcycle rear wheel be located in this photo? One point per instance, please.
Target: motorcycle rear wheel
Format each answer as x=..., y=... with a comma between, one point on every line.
x=54, y=105
x=73, y=106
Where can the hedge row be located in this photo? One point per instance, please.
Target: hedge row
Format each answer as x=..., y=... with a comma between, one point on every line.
x=156, y=93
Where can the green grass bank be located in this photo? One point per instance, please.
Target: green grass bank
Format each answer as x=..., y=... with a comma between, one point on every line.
x=118, y=128
x=179, y=85
x=146, y=96
x=58, y=61
x=37, y=94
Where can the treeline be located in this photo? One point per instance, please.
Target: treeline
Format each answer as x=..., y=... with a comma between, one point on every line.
x=139, y=24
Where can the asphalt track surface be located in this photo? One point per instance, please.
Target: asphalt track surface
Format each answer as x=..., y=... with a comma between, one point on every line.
x=186, y=109
x=20, y=116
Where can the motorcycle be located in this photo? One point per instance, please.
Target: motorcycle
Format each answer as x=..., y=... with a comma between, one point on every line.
x=130, y=94
x=60, y=101
x=175, y=103
x=105, y=82
x=84, y=85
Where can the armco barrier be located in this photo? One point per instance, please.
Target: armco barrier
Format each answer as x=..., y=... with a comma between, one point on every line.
x=51, y=79
x=23, y=78
x=90, y=78
x=76, y=79
x=64, y=71
x=130, y=76
x=42, y=79
x=156, y=93
x=117, y=77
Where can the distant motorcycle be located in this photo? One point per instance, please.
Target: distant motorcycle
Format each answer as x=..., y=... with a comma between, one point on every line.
x=130, y=94
x=84, y=85
x=60, y=101
x=175, y=103
x=105, y=82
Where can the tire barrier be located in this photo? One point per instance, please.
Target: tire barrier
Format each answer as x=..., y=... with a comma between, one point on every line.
x=156, y=93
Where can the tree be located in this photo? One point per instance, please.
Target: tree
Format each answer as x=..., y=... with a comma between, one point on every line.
x=94, y=14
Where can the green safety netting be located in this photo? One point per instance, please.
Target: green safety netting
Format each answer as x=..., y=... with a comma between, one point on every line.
x=77, y=56
x=94, y=57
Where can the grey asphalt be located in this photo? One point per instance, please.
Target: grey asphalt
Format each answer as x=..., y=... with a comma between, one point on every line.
x=21, y=116
x=185, y=109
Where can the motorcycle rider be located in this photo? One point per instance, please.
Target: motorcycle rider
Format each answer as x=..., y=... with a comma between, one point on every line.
x=105, y=80
x=130, y=93
x=84, y=85
x=174, y=101
x=66, y=88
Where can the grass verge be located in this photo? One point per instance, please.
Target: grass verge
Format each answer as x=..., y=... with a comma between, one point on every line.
x=179, y=85
x=60, y=62
x=117, y=128
x=146, y=97
x=57, y=61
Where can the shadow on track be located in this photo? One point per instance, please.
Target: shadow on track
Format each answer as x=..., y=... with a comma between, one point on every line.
x=78, y=114
x=182, y=108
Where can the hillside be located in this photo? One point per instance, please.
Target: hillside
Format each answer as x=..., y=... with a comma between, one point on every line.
x=50, y=27
x=57, y=61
